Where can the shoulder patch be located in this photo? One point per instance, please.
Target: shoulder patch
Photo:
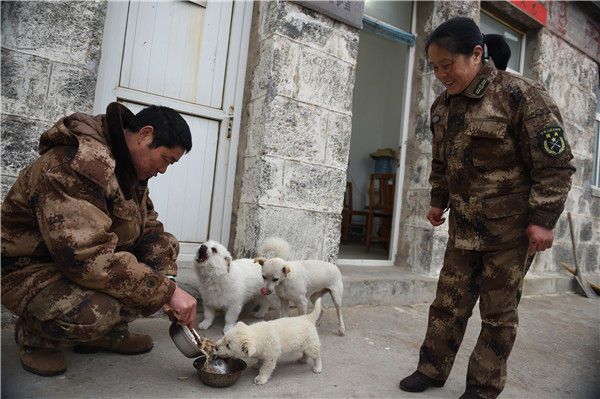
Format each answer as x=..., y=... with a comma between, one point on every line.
x=435, y=118
x=481, y=86
x=553, y=141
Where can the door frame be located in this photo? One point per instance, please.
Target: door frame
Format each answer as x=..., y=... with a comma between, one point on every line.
x=395, y=233
x=108, y=90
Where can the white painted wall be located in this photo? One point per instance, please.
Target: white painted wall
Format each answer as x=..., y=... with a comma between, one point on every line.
x=377, y=107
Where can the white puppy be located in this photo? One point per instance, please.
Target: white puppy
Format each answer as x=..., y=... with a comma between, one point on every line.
x=295, y=280
x=268, y=340
x=227, y=285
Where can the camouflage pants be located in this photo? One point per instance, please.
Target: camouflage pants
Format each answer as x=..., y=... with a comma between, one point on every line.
x=65, y=314
x=496, y=279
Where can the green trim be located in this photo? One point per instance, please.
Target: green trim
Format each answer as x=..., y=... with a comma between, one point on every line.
x=381, y=28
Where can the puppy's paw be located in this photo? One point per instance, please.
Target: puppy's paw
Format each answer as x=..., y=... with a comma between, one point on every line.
x=204, y=325
x=317, y=369
x=260, y=380
x=342, y=330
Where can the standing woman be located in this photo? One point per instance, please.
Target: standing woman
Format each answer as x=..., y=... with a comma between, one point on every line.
x=502, y=166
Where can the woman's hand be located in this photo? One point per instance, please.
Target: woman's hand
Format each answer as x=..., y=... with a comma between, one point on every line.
x=181, y=306
x=435, y=216
x=540, y=238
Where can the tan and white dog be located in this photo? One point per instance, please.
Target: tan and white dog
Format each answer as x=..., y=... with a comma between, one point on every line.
x=226, y=284
x=296, y=280
x=268, y=340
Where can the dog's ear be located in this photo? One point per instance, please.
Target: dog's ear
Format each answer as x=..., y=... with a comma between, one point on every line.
x=286, y=269
x=260, y=260
x=248, y=348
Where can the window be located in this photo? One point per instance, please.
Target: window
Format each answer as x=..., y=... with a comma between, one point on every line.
x=390, y=19
x=514, y=38
x=596, y=170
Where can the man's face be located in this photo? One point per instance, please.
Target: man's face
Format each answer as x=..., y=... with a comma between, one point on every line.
x=149, y=161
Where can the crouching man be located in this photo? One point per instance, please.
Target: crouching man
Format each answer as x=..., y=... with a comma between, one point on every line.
x=82, y=250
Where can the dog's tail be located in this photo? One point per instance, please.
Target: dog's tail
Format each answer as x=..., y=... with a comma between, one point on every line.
x=275, y=247
x=316, y=313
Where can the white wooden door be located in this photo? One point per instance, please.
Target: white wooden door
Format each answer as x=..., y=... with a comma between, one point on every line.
x=190, y=56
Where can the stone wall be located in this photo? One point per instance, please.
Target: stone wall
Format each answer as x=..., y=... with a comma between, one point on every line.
x=421, y=246
x=571, y=77
x=50, y=55
x=296, y=130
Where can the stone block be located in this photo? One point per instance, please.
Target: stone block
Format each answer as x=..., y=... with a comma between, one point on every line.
x=263, y=180
x=25, y=82
x=6, y=182
x=67, y=32
x=313, y=187
x=294, y=130
x=325, y=81
x=418, y=171
x=71, y=89
x=338, y=133
x=20, y=140
x=276, y=71
x=255, y=126
x=590, y=256
x=416, y=207
x=301, y=228
x=310, y=28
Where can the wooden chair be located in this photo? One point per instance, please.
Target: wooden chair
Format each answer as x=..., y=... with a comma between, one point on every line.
x=381, y=206
x=350, y=225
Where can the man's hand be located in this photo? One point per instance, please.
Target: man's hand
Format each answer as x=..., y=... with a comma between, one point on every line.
x=435, y=216
x=181, y=306
x=540, y=238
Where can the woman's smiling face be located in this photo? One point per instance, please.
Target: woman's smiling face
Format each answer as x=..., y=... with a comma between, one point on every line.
x=455, y=71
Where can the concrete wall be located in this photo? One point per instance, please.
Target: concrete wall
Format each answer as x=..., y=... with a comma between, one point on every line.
x=50, y=55
x=571, y=77
x=296, y=128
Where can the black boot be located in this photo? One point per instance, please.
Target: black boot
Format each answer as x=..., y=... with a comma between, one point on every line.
x=418, y=382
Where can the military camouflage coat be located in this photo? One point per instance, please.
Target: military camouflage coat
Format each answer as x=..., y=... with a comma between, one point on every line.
x=78, y=212
x=500, y=160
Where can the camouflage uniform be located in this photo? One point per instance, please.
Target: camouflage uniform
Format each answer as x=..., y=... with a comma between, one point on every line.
x=500, y=162
x=82, y=249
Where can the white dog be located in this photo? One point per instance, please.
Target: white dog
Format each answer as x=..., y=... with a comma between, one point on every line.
x=295, y=280
x=227, y=284
x=268, y=340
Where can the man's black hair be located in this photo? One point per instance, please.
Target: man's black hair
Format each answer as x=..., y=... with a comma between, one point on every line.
x=170, y=129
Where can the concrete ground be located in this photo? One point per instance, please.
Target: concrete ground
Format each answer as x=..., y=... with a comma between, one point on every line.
x=556, y=355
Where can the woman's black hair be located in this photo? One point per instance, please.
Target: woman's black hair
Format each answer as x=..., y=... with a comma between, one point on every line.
x=460, y=35
x=170, y=129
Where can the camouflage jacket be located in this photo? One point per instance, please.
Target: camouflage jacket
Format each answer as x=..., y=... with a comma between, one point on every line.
x=500, y=160
x=79, y=212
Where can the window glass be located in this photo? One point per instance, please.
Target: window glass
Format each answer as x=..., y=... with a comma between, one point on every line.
x=514, y=38
x=395, y=13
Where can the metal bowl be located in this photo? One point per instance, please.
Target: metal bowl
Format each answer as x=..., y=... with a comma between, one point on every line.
x=233, y=368
x=184, y=340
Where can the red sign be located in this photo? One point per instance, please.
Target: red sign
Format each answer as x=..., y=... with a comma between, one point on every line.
x=533, y=8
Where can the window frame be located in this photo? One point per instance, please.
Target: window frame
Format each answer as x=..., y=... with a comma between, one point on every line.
x=595, y=178
x=523, y=34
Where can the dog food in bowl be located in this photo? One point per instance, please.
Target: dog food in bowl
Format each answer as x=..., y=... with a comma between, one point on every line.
x=219, y=372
